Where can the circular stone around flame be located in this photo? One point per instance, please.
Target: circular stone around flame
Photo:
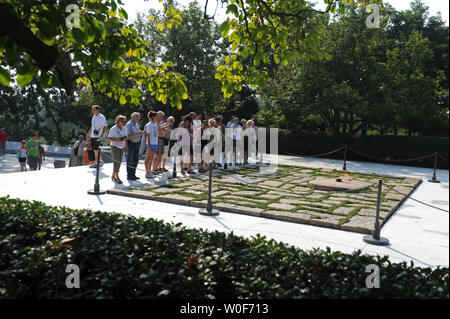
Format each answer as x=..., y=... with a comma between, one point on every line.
x=330, y=184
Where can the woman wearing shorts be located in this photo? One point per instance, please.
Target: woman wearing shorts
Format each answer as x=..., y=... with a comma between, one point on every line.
x=152, y=141
x=22, y=156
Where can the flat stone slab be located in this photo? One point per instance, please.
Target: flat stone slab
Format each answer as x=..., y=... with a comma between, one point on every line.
x=360, y=224
x=327, y=184
x=271, y=183
x=241, y=179
x=238, y=209
x=344, y=210
x=289, y=217
x=282, y=206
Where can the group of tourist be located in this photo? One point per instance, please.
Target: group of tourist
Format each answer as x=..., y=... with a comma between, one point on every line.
x=30, y=152
x=193, y=137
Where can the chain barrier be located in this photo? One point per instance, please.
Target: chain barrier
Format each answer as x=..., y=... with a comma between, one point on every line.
x=414, y=199
x=320, y=155
x=391, y=160
x=361, y=154
x=443, y=158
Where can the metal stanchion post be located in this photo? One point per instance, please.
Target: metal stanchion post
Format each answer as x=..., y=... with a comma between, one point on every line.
x=225, y=164
x=434, y=178
x=96, y=190
x=209, y=211
x=174, y=171
x=345, y=157
x=375, y=238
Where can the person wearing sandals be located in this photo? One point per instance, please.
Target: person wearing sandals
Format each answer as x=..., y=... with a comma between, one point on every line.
x=152, y=141
x=167, y=128
x=159, y=153
x=118, y=141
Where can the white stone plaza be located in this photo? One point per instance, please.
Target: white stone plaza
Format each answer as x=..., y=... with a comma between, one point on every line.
x=417, y=233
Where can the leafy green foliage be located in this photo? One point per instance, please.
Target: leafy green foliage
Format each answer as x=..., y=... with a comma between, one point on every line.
x=125, y=257
x=271, y=30
x=194, y=48
x=104, y=51
x=391, y=80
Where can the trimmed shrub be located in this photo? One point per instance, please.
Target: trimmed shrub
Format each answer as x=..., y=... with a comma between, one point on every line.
x=385, y=148
x=126, y=257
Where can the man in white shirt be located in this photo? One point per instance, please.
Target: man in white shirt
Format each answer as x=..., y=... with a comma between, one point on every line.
x=134, y=135
x=96, y=132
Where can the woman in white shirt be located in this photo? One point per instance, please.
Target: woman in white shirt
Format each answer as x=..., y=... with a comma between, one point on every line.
x=118, y=141
x=152, y=141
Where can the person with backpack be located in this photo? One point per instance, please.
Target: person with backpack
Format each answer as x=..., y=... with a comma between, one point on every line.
x=41, y=157
x=78, y=151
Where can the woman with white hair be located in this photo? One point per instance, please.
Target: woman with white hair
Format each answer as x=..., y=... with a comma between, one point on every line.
x=118, y=141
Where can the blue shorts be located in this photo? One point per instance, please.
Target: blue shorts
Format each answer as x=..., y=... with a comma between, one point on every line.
x=154, y=148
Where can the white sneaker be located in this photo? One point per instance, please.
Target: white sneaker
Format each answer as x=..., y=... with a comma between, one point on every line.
x=149, y=175
x=93, y=166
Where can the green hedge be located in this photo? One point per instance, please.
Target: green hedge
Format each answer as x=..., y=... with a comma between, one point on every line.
x=293, y=142
x=125, y=257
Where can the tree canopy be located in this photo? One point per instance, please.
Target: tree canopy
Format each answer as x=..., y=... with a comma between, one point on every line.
x=93, y=44
x=387, y=79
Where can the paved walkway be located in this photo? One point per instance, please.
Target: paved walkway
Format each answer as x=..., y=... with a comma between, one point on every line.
x=417, y=233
